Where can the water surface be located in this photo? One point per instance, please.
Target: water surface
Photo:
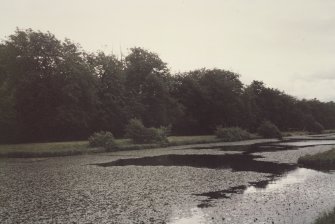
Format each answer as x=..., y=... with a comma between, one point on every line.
x=170, y=185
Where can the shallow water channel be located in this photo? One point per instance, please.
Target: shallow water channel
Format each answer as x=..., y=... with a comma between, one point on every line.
x=247, y=182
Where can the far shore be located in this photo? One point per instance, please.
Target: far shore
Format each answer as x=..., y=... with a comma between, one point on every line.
x=52, y=149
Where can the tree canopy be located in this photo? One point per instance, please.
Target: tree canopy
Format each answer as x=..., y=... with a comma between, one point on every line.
x=54, y=90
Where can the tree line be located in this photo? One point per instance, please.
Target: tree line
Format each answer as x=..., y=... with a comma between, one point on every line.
x=53, y=90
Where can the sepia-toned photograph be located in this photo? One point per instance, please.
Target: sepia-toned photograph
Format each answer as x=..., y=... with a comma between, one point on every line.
x=167, y=112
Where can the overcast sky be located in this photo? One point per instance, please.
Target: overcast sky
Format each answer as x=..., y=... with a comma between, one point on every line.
x=288, y=44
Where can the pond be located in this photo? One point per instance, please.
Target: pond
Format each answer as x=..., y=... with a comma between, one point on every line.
x=212, y=183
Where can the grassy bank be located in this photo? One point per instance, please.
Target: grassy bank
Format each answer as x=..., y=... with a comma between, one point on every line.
x=46, y=149
x=326, y=218
x=294, y=133
x=323, y=161
x=127, y=144
x=81, y=147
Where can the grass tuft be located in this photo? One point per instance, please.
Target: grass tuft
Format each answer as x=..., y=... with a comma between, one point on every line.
x=322, y=161
x=326, y=218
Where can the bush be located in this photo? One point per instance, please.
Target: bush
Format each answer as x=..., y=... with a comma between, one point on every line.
x=157, y=135
x=102, y=139
x=269, y=130
x=232, y=134
x=315, y=127
x=136, y=131
x=311, y=125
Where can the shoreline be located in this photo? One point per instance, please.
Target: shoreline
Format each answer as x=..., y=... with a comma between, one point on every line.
x=60, y=149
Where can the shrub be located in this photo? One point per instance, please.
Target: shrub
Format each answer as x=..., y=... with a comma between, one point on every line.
x=136, y=131
x=232, y=134
x=157, y=135
x=311, y=125
x=315, y=127
x=102, y=139
x=269, y=130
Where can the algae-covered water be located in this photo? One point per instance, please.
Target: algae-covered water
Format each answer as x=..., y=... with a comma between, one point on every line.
x=189, y=184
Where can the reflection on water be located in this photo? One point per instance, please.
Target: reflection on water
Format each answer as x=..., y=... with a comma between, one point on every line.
x=142, y=188
x=276, y=187
x=274, y=183
x=236, y=162
x=219, y=195
x=193, y=216
x=297, y=176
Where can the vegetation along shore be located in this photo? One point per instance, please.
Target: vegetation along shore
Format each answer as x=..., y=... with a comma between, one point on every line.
x=53, y=90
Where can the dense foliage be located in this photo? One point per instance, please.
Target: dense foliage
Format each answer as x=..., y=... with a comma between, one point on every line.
x=269, y=130
x=53, y=90
x=232, y=134
x=103, y=139
x=136, y=131
x=314, y=126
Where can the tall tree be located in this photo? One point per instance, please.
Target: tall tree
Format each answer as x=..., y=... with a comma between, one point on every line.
x=210, y=98
x=51, y=85
x=112, y=114
x=148, y=87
